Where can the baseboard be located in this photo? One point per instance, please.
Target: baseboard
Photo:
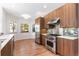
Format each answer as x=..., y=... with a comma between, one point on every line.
x=24, y=39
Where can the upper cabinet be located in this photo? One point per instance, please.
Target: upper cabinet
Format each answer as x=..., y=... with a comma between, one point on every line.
x=40, y=21
x=67, y=15
x=37, y=20
x=50, y=16
x=70, y=15
x=60, y=15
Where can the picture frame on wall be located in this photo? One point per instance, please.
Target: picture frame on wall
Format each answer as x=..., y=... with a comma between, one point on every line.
x=24, y=28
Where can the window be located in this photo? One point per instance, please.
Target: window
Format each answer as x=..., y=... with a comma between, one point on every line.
x=24, y=28
x=12, y=27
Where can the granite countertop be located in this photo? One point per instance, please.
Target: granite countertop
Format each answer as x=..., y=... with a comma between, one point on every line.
x=4, y=39
x=68, y=37
x=63, y=36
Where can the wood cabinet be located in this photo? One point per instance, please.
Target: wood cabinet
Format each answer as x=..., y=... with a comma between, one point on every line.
x=70, y=47
x=40, y=21
x=8, y=48
x=68, y=15
x=12, y=46
x=60, y=15
x=37, y=20
x=43, y=40
x=50, y=16
x=67, y=47
x=60, y=46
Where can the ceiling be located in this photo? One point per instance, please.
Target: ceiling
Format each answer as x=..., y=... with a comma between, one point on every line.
x=33, y=9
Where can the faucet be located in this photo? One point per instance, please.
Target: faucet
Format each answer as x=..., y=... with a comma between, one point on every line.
x=1, y=34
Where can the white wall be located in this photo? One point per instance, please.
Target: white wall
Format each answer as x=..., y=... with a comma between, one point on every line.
x=1, y=19
x=28, y=35
x=18, y=35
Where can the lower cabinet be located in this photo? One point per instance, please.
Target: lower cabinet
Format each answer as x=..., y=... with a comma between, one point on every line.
x=8, y=49
x=43, y=40
x=12, y=46
x=66, y=47
x=60, y=46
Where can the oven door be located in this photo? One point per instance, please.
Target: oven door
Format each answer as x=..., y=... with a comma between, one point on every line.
x=51, y=45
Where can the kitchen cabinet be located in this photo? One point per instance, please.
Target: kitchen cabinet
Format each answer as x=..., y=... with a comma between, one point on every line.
x=43, y=40
x=8, y=49
x=12, y=46
x=37, y=21
x=67, y=13
x=70, y=47
x=60, y=46
x=78, y=16
x=40, y=22
x=50, y=16
x=70, y=15
x=67, y=47
x=57, y=13
x=60, y=15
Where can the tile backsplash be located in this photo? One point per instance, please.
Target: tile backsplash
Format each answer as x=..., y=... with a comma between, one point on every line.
x=70, y=31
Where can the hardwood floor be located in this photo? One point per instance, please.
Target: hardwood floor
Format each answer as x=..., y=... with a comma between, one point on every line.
x=30, y=48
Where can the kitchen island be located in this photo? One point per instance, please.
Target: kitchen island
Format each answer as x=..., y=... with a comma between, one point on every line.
x=7, y=45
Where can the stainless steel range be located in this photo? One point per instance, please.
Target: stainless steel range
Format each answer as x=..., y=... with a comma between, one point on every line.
x=53, y=31
x=50, y=43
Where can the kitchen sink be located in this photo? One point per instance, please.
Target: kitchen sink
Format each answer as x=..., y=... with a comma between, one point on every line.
x=2, y=40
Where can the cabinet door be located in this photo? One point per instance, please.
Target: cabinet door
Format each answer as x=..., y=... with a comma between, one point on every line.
x=70, y=47
x=74, y=47
x=12, y=46
x=37, y=21
x=6, y=51
x=60, y=15
x=50, y=16
x=60, y=46
x=70, y=15
x=73, y=15
x=40, y=21
x=43, y=40
x=67, y=45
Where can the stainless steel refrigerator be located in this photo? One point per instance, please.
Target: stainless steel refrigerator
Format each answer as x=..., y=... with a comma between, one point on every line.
x=37, y=33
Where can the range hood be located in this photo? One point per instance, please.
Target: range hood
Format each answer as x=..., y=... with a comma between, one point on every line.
x=54, y=22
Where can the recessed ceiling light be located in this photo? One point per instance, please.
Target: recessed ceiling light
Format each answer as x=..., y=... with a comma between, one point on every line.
x=45, y=6
x=26, y=16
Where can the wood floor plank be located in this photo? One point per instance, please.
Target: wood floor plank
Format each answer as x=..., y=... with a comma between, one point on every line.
x=28, y=47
